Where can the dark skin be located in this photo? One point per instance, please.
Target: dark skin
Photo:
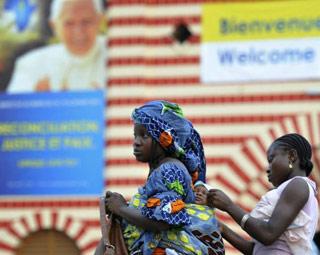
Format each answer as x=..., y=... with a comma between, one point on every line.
x=148, y=151
x=292, y=200
x=201, y=195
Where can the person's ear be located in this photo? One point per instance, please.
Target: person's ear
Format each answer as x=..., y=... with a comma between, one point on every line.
x=52, y=25
x=293, y=155
x=100, y=23
x=100, y=18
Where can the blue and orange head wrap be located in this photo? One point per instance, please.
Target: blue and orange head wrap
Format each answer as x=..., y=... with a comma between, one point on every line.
x=166, y=124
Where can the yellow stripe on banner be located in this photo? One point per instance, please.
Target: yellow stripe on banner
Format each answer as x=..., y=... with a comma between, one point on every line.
x=260, y=20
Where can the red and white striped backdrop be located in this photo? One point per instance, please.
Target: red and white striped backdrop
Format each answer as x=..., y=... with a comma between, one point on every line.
x=78, y=219
x=236, y=122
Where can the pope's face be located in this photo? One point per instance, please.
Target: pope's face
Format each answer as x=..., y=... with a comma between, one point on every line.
x=77, y=26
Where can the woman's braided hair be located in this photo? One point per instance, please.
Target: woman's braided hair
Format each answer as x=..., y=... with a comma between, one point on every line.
x=301, y=145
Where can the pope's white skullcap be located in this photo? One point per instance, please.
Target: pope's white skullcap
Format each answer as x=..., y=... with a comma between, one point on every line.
x=56, y=7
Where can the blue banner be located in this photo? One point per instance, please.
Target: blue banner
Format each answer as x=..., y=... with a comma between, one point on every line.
x=52, y=143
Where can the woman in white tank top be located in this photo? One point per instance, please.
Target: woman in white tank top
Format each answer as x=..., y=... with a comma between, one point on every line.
x=285, y=219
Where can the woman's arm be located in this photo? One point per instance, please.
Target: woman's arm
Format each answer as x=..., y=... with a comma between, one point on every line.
x=240, y=243
x=293, y=198
x=115, y=203
x=100, y=248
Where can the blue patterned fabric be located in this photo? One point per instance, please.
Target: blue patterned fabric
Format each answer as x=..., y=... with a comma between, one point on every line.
x=166, y=118
x=194, y=228
x=168, y=183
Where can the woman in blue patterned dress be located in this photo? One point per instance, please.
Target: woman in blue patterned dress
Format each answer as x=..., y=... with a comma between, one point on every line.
x=162, y=217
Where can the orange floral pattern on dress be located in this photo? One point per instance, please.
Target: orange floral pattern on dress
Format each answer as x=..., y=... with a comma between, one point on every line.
x=159, y=251
x=165, y=139
x=153, y=201
x=177, y=206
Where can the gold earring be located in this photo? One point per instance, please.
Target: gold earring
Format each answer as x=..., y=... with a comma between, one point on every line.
x=290, y=165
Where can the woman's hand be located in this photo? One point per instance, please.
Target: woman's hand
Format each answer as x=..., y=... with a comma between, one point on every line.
x=218, y=199
x=114, y=201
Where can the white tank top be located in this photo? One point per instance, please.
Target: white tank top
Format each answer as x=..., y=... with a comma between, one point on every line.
x=300, y=233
